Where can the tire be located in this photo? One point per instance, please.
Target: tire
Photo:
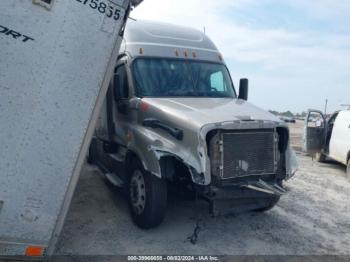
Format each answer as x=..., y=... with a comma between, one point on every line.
x=147, y=196
x=320, y=157
x=348, y=170
x=269, y=204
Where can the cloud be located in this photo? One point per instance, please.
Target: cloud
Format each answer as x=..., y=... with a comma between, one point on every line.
x=323, y=9
x=270, y=51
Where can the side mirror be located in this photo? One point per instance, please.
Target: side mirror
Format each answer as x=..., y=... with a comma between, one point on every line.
x=243, y=89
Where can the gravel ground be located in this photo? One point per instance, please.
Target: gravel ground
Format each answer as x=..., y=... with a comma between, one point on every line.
x=312, y=218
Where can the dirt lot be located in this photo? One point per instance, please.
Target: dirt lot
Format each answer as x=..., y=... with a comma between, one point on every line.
x=313, y=218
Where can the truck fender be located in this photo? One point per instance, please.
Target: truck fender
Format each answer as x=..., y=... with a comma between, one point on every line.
x=151, y=148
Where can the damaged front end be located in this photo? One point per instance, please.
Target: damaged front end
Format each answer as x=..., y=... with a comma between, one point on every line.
x=245, y=151
x=243, y=162
x=248, y=162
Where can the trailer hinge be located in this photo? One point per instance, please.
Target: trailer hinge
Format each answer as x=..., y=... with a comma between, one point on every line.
x=44, y=3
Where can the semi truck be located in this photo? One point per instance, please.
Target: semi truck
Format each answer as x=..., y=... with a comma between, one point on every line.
x=56, y=60
x=172, y=116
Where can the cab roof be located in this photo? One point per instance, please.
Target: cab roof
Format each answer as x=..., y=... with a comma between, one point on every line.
x=155, y=39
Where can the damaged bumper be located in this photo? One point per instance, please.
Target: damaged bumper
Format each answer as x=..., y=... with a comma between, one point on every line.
x=240, y=198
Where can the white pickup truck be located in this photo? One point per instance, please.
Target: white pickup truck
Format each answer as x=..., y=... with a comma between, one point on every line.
x=329, y=138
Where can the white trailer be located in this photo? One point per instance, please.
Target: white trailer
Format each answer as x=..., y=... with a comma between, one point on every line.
x=56, y=60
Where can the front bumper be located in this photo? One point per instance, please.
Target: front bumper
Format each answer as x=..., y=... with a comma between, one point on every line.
x=240, y=198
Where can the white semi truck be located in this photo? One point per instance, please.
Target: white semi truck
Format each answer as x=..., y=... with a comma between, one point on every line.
x=56, y=60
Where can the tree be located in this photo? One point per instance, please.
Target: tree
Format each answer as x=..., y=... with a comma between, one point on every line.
x=287, y=114
x=274, y=112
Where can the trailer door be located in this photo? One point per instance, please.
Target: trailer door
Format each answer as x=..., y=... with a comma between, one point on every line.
x=56, y=60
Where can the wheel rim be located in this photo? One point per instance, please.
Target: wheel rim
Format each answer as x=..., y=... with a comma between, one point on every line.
x=137, y=192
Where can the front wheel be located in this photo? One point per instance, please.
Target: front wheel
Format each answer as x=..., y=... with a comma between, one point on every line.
x=147, y=197
x=348, y=170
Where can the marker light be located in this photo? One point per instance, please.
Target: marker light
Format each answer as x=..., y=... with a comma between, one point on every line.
x=34, y=251
x=144, y=106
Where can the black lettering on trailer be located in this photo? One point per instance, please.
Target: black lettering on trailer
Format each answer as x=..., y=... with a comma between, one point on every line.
x=111, y=11
x=3, y=29
x=26, y=38
x=14, y=34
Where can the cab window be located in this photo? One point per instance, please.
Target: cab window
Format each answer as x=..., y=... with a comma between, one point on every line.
x=217, y=82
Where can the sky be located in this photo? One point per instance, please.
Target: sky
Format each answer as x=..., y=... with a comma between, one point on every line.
x=295, y=53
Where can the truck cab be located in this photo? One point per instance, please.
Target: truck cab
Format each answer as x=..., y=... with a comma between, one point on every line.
x=172, y=117
x=328, y=137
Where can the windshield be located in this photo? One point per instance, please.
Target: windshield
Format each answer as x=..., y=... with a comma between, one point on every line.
x=170, y=77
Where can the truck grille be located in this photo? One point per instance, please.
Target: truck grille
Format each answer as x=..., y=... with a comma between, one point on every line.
x=247, y=153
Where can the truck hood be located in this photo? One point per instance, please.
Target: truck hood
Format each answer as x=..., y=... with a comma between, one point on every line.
x=202, y=111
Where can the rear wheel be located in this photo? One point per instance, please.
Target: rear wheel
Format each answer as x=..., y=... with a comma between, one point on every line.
x=147, y=197
x=348, y=170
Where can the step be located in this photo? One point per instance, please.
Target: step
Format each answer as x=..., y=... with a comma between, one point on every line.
x=114, y=179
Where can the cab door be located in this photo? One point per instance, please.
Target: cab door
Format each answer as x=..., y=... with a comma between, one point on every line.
x=314, y=132
x=339, y=146
x=121, y=109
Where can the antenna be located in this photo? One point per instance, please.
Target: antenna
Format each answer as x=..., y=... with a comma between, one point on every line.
x=346, y=105
x=204, y=29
